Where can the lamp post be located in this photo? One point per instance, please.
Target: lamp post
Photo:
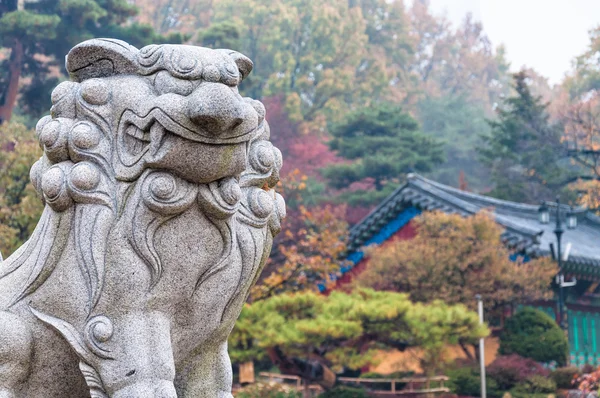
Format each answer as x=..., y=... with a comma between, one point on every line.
x=571, y=222
x=481, y=348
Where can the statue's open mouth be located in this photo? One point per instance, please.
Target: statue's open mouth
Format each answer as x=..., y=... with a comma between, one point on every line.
x=139, y=135
x=137, y=140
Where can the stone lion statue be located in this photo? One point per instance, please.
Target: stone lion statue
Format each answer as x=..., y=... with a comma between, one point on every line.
x=160, y=212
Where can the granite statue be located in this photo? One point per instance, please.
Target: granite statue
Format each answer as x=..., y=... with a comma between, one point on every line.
x=160, y=211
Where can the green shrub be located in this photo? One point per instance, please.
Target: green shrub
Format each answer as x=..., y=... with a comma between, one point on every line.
x=345, y=392
x=536, y=385
x=516, y=394
x=533, y=334
x=563, y=377
x=466, y=381
x=268, y=390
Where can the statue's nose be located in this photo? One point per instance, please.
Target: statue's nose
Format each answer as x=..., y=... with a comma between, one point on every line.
x=214, y=107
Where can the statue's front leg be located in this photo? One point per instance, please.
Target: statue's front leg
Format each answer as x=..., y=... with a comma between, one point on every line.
x=209, y=374
x=123, y=356
x=144, y=367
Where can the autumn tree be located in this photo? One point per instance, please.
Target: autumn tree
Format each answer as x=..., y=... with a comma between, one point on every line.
x=578, y=108
x=453, y=258
x=523, y=150
x=311, y=248
x=581, y=120
x=455, y=62
x=314, y=52
x=20, y=208
x=382, y=143
x=308, y=255
x=473, y=67
x=309, y=332
x=586, y=74
x=168, y=16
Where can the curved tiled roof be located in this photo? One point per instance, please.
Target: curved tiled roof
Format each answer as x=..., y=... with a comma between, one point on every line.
x=522, y=230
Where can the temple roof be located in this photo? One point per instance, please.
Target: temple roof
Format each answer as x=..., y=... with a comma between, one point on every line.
x=522, y=230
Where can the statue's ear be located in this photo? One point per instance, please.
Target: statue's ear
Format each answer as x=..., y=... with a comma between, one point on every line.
x=243, y=63
x=101, y=58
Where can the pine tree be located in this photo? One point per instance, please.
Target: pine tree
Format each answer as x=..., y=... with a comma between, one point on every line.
x=308, y=331
x=224, y=34
x=524, y=148
x=383, y=143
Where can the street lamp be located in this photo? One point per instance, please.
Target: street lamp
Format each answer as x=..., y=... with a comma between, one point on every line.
x=571, y=221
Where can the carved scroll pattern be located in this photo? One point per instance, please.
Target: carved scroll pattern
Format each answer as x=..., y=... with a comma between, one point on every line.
x=166, y=196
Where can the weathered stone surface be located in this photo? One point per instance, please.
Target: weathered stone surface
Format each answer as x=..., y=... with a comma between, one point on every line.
x=160, y=213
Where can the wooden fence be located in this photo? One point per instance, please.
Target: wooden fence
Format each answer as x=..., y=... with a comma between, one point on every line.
x=411, y=385
x=295, y=379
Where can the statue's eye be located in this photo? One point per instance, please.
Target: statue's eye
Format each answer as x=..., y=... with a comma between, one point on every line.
x=231, y=75
x=164, y=83
x=95, y=91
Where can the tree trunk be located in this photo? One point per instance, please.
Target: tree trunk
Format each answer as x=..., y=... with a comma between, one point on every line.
x=309, y=371
x=14, y=68
x=466, y=351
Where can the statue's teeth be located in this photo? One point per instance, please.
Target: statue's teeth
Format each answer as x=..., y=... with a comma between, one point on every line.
x=138, y=139
x=135, y=132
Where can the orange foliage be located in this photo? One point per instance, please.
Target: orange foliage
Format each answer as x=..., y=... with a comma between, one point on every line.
x=582, y=131
x=310, y=255
x=453, y=258
x=582, y=137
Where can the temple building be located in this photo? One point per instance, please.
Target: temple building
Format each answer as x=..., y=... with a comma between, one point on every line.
x=525, y=232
